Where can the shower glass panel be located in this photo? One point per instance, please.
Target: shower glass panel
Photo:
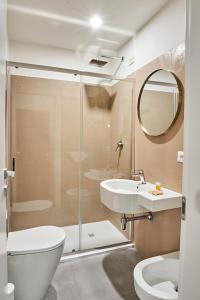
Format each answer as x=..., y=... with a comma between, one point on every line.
x=64, y=130
x=106, y=120
x=45, y=148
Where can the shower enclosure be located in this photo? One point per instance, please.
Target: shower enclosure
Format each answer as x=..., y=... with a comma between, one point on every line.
x=63, y=130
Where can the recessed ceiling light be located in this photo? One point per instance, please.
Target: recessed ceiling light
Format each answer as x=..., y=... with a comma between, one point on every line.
x=95, y=22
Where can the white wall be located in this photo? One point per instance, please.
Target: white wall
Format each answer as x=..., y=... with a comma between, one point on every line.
x=129, y=53
x=56, y=57
x=163, y=32
x=3, y=239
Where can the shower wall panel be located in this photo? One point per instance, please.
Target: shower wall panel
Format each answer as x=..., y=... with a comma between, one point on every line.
x=45, y=144
x=107, y=119
x=121, y=129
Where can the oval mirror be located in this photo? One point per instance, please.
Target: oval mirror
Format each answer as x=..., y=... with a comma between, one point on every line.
x=159, y=102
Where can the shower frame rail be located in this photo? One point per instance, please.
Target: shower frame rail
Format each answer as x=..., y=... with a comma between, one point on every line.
x=61, y=70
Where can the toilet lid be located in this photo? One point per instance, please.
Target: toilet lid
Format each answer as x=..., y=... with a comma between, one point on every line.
x=38, y=239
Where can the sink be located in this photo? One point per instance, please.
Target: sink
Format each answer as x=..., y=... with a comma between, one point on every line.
x=130, y=197
x=121, y=195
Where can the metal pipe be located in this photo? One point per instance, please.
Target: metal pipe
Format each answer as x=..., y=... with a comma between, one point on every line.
x=125, y=219
x=121, y=61
x=121, y=58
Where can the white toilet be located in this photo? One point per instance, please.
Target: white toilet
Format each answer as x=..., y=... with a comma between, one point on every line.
x=156, y=278
x=33, y=256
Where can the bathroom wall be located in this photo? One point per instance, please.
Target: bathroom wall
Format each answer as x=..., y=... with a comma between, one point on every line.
x=106, y=120
x=121, y=126
x=163, y=32
x=121, y=129
x=41, y=113
x=50, y=124
x=57, y=57
x=157, y=156
x=96, y=148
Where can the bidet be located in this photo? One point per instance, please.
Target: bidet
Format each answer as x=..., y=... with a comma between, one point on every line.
x=156, y=278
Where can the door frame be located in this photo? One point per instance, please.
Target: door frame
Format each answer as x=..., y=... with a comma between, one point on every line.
x=190, y=241
x=3, y=234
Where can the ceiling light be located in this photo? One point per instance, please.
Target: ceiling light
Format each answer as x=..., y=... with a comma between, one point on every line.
x=95, y=22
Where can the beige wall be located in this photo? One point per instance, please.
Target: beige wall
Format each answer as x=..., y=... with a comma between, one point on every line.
x=121, y=129
x=50, y=123
x=157, y=156
x=45, y=135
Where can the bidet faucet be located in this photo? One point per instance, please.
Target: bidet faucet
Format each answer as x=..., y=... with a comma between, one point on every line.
x=139, y=173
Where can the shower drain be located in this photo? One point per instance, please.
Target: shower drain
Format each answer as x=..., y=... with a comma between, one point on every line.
x=91, y=235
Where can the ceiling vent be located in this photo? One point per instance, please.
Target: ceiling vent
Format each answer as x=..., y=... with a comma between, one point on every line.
x=98, y=62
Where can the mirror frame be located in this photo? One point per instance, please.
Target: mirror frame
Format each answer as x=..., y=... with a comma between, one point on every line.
x=180, y=101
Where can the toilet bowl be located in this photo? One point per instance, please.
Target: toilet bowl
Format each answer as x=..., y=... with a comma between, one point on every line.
x=156, y=278
x=33, y=256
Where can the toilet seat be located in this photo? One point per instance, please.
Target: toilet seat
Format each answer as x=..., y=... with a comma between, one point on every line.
x=35, y=240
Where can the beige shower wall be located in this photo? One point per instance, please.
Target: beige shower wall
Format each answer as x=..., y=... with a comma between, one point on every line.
x=121, y=129
x=106, y=120
x=95, y=145
x=49, y=126
x=45, y=143
x=157, y=156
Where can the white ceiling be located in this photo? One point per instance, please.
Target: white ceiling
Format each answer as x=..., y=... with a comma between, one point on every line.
x=65, y=23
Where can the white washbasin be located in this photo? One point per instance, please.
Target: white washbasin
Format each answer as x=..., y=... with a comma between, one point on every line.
x=131, y=197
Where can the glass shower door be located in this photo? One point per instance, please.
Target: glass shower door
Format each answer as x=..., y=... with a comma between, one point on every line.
x=64, y=133
x=45, y=148
x=106, y=120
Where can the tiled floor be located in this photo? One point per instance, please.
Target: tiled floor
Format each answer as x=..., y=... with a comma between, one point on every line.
x=107, y=276
x=94, y=235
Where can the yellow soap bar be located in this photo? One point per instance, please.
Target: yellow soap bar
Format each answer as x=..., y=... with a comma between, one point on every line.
x=158, y=186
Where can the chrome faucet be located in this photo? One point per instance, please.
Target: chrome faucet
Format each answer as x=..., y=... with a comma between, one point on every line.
x=140, y=174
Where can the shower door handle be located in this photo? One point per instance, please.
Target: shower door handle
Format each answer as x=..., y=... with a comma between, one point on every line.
x=8, y=173
x=183, y=208
x=5, y=191
x=13, y=163
x=4, y=194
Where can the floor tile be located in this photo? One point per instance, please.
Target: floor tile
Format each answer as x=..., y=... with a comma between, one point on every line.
x=107, y=276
